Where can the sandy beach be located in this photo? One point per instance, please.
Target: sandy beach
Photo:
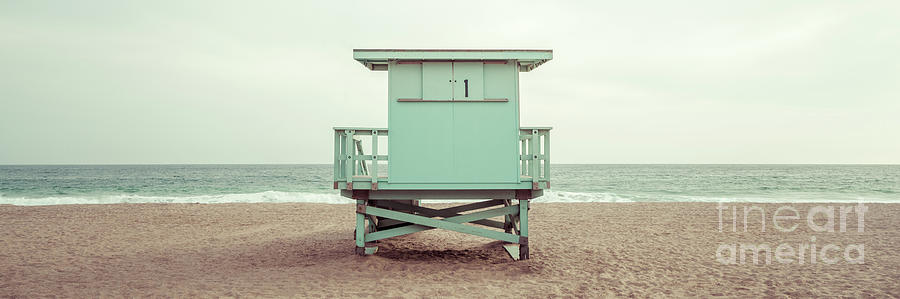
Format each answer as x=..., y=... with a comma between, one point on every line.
x=578, y=249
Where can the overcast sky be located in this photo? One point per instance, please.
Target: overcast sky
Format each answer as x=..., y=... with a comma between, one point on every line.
x=630, y=82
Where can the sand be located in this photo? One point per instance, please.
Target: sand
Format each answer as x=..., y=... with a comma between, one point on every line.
x=578, y=249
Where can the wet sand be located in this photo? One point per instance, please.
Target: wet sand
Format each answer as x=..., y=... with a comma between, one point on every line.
x=578, y=249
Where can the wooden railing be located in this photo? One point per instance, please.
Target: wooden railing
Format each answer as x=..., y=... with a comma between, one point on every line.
x=351, y=160
x=535, y=152
x=349, y=157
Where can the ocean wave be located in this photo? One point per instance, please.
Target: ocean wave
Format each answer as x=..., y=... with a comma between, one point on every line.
x=565, y=196
x=267, y=196
x=275, y=197
x=550, y=196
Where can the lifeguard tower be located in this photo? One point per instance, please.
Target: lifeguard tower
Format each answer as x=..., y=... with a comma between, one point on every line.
x=453, y=133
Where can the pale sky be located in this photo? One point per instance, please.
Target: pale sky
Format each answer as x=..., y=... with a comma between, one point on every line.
x=121, y=82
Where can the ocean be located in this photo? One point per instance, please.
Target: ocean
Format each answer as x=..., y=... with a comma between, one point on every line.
x=107, y=184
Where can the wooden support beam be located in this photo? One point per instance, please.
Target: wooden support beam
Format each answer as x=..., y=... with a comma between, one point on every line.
x=360, y=227
x=472, y=206
x=513, y=250
x=384, y=224
x=448, y=212
x=523, y=217
x=421, y=223
x=373, y=224
x=419, y=194
x=523, y=229
x=514, y=223
x=507, y=219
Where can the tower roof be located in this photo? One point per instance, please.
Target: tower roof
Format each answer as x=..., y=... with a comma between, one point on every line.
x=377, y=59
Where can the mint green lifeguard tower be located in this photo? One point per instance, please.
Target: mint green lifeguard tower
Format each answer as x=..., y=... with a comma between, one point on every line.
x=453, y=133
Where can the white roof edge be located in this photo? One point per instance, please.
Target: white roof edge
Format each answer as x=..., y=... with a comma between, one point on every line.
x=386, y=54
x=529, y=59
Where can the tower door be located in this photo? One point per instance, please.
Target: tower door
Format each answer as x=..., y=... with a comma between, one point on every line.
x=468, y=81
x=437, y=81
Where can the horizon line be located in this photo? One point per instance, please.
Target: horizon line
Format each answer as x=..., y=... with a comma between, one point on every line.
x=161, y=164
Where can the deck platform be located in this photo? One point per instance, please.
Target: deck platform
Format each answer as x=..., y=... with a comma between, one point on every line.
x=388, y=209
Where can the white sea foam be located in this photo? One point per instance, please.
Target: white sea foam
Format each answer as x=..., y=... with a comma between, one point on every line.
x=267, y=196
x=565, y=196
x=550, y=196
